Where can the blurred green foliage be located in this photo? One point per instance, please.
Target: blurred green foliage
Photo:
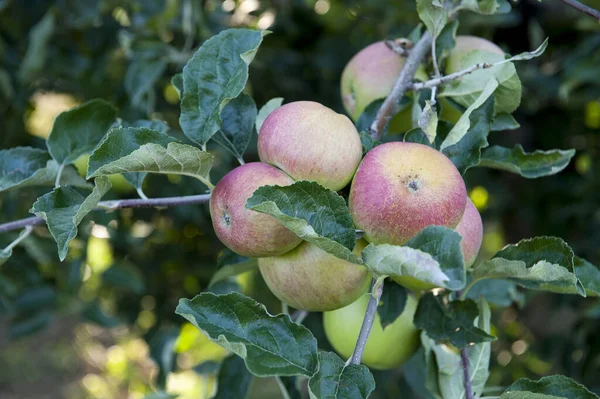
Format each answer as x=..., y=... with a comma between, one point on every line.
x=97, y=319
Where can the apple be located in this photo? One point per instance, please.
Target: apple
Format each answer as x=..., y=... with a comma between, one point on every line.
x=370, y=75
x=401, y=188
x=386, y=348
x=309, y=278
x=309, y=141
x=464, y=45
x=244, y=231
x=471, y=230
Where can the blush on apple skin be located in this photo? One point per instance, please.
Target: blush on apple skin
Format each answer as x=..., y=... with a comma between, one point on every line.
x=471, y=230
x=309, y=141
x=401, y=188
x=244, y=231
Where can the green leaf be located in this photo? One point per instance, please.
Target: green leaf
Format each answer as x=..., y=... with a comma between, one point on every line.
x=467, y=152
x=336, y=380
x=124, y=276
x=162, y=352
x=64, y=208
x=234, y=380
x=529, y=165
x=464, y=123
x=433, y=256
x=504, y=122
x=35, y=298
x=428, y=122
x=140, y=78
x=554, y=386
x=160, y=395
x=266, y=110
x=450, y=377
x=446, y=40
x=486, y=7
x=78, y=131
x=453, y=322
x=231, y=264
x=37, y=52
x=269, y=345
x=313, y=212
x=434, y=15
x=6, y=253
x=238, y=118
x=391, y=303
x=589, y=275
x=26, y=166
x=217, y=73
x=29, y=324
x=177, y=82
x=502, y=293
x=151, y=124
x=528, y=55
x=131, y=149
x=542, y=263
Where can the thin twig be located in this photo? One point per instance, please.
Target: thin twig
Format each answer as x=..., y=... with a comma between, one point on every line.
x=436, y=69
x=583, y=8
x=453, y=76
x=118, y=204
x=21, y=237
x=284, y=393
x=467, y=375
x=403, y=83
x=367, y=324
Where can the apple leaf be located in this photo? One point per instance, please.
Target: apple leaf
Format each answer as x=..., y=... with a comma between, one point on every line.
x=392, y=302
x=446, y=40
x=238, y=118
x=6, y=253
x=234, y=380
x=216, y=74
x=504, y=121
x=231, y=264
x=162, y=344
x=434, y=15
x=529, y=165
x=502, y=293
x=27, y=166
x=433, y=256
x=64, y=208
x=36, y=56
x=542, y=263
x=313, y=212
x=336, y=380
x=270, y=345
x=453, y=322
x=550, y=387
x=266, y=110
x=589, y=275
x=130, y=149
x=451, y=379
x=486, y=7
x=78, y=131
x=428, y=121
x=141, y=77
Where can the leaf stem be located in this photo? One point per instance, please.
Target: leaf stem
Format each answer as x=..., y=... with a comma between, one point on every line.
x=119, y=204
x=365, y=329
x=299, y=316
x=61, y=167
x=141, y=193
x=284, y=392
x=403, y=83
x=467, y=375
x=21, y=237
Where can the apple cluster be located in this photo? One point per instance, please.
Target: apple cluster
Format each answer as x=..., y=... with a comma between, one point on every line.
x=396, y=190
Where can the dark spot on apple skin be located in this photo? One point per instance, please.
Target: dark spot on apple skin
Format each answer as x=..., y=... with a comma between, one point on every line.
x=413, y=185
x=227, y=218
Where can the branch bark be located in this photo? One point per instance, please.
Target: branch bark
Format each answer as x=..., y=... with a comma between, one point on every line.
x=403, y=83
x=367, y=324
x=583, y=8
x=117, y=204
x=467, y=375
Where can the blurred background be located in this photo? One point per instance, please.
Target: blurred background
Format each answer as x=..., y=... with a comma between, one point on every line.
x=102, y=324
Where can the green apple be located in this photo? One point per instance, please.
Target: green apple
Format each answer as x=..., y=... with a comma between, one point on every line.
x=386, y=348
x=309, y=278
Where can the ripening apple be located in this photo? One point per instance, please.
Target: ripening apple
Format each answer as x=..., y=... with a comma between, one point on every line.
x=464, y=45
x=370, y=75
x=244, y=231
x=309, y=141
x=471, y=230
x=386, y=348
x=400, y=188
x=309, y=278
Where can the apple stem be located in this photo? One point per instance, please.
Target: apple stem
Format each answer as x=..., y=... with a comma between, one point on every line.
x=367, y=324
x=118, y=204
x=403, y=83
x=467, y=375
